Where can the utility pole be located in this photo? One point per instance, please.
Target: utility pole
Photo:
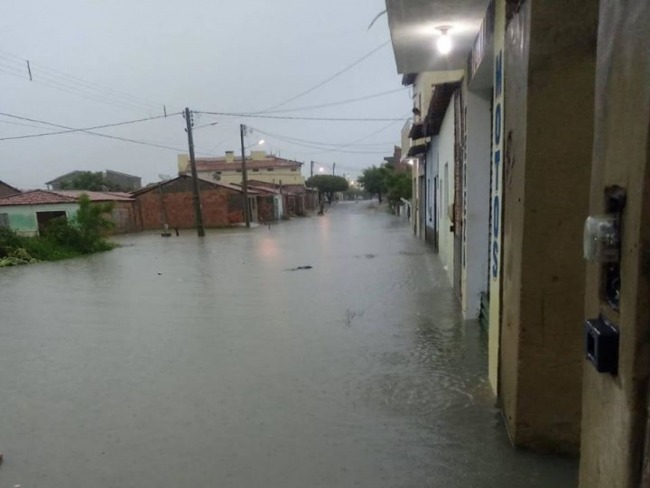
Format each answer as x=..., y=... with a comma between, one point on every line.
x=196, y=198
x=311, y=171
x=334, y=168
x=244, y=176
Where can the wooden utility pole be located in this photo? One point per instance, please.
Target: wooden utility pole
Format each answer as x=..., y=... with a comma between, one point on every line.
x=244, y=176
x=200, y=230
x=311, y=170
x=334, y=168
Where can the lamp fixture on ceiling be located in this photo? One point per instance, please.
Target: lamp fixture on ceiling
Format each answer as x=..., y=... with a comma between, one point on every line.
x=443, y=43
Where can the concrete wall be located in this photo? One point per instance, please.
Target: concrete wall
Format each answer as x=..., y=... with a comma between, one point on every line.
x=286, y=176
x=496, y=189
x=22, y=218
x=446, y=193
x=615, y=408
x=476, y=202
x=126, y=182
x=6, y=190
x=550, y=68
x=431, y=198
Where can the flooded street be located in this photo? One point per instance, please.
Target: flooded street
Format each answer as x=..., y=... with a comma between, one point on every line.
x=183, y=362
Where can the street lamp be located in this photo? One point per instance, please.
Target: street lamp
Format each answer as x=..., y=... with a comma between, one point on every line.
x=244, y=174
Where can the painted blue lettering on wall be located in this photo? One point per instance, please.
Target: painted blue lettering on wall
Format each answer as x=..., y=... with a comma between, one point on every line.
x=495, y=259
x=497, y=172
x=498, y=75
x=497, y=162
x=497, y=125
x=496, y=217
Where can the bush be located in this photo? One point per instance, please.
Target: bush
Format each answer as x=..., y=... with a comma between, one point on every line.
x=61, y=239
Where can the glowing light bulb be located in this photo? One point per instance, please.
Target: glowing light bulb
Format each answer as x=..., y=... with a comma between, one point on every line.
x=443, y=43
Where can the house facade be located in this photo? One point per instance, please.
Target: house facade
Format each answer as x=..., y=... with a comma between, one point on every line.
x=546, y=124
x=29, y=213
x=260, y=167
x=171, y=203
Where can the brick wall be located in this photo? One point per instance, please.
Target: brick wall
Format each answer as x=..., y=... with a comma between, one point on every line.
x=123, y=216
x=265, y=211
x=179, y=208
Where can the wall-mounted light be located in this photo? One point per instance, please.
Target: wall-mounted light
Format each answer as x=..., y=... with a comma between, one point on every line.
x=443, y=43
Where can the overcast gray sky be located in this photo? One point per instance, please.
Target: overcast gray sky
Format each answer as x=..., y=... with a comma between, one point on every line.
x=210, y=55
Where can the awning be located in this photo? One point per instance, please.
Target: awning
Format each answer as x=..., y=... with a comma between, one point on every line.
x=417, y=150
x=417, y=131
x=438, y=107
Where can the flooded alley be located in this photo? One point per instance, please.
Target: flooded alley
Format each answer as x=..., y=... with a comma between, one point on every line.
x=187, y=362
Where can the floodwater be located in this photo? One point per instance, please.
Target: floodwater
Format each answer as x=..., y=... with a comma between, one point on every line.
x=183, y=362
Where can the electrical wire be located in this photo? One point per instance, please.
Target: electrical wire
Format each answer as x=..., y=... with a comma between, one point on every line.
x=105, y=126
x=342, y=102
x=315, y=146
x=288, y=117
x=305, y=141
x=91, y=85
x=73, y=85
x=327, y=80
x=84, y=131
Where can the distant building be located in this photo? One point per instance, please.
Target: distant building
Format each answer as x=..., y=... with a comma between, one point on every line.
x=6, y=190
x=260, y=167
x=125, y=181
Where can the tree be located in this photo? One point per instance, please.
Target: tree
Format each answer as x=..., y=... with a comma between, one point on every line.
x=399, y=185
x=373, y=180
x=84, y=233
x=91, y=181
x=327, y=185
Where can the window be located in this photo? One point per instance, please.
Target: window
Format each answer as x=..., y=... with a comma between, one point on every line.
x=294, y=169
x=239, y=171
x=4, y=220
x=256, y=170
x=269, y=169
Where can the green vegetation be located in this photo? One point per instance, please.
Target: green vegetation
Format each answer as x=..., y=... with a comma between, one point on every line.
x=387, y=179
x=327, y=185
x=91, y=181
x=62, y=239
x=373, y=180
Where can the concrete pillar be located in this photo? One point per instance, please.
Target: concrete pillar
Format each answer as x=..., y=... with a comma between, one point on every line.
x=615, y=408
x=549, y=69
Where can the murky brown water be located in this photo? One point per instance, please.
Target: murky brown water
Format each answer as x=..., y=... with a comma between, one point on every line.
x=182, y=362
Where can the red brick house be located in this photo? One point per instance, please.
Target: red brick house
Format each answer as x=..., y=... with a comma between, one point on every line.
x=170, y=202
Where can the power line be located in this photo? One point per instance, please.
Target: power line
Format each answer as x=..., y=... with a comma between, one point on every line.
x=74, y=85
x=305, y=141
x=327, y=80
x=289, y=117
x=105, y=126
x=342, y=102
x=312, y=145
x=134, y=141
